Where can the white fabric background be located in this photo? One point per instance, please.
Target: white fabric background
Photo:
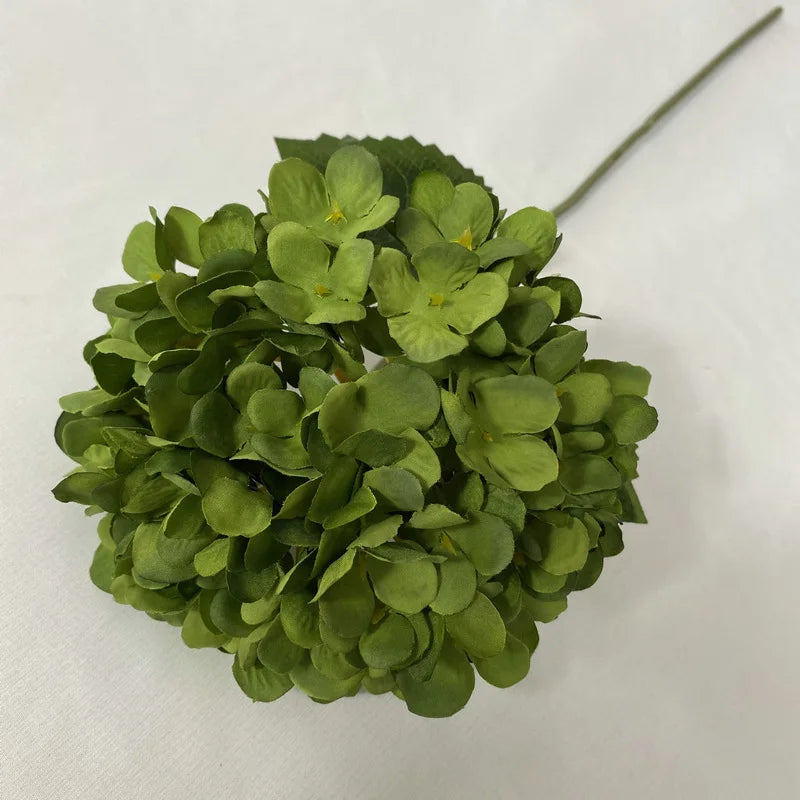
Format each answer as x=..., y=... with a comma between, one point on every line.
x=676, y=675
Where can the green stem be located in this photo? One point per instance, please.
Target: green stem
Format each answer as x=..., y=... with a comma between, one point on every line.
x=664, y=109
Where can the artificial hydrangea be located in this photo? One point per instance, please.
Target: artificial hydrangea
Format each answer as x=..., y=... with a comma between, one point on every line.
x=330, y=527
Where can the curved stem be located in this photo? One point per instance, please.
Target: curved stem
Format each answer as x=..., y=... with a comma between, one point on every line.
x=665, y=108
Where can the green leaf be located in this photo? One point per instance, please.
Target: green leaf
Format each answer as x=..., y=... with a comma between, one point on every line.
x=391, y=399
x=194, y=304
x=435, y=516
x=456, y=415
x=585, y=398
x=564, y=546
x=246, y=379
x=446, y=691
x=524, y=463
x=498, y=249
x=631, y=419
x=298, y=256
x=139, y=256
x=334, y=665
x=297, y=192
x=232, y=509
x=359, y=505
x=106, y=299
x=310, y=680
x=275, y=411
x=379, y=532
x=335, y=572
x=300, y=618
x=259, y=683
x=387, y=644
x=490, y=339
x=569, y=294
x=212, y=559
x=347, y=606
x=314, y=384
x=375, y=448
x=575, y=442
x=546, y=610
x=632, y=510
x=231, y=228
x=407, y=587
x=556, y=358
x=506, y=504
x=102, y=569
x=149, y=564
x=535, y=227
x=624, y=378
x=507, y=667
x=425, y=339
x=421, y=461
x=196, y=634
x=181, y=232
x=588, y=473
x=212, y=423
x=478, y=629
x=525, y=323
x=78, y=487
x=396, y=487
x=151, y=495
x=457, y=584
x=486, y=541
x=123, y=349
x=515, y=404
x=277, y=652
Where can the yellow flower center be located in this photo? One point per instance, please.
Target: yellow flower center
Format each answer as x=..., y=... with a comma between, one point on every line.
x=465, y=240
x=436, y=299
x=335, y=215
x=322, y=291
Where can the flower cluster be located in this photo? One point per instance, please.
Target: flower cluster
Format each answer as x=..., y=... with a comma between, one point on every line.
x=331, y=527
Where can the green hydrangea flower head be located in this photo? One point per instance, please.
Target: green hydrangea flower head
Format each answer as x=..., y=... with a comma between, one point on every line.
x=333, y=527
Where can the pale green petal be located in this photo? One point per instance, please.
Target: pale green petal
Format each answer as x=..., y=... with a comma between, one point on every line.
x=415, y=230
x=297, y=192
x=349, y=273
x=480, y=300
x=380, y=214
x=431, y=192
x=298, y=256
x=516, y=404
x=445, y=267
x=354, y=181
x=393, y=284
x=290, y=302
x=332, y=310
x=425, y=339
x=470, y=209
